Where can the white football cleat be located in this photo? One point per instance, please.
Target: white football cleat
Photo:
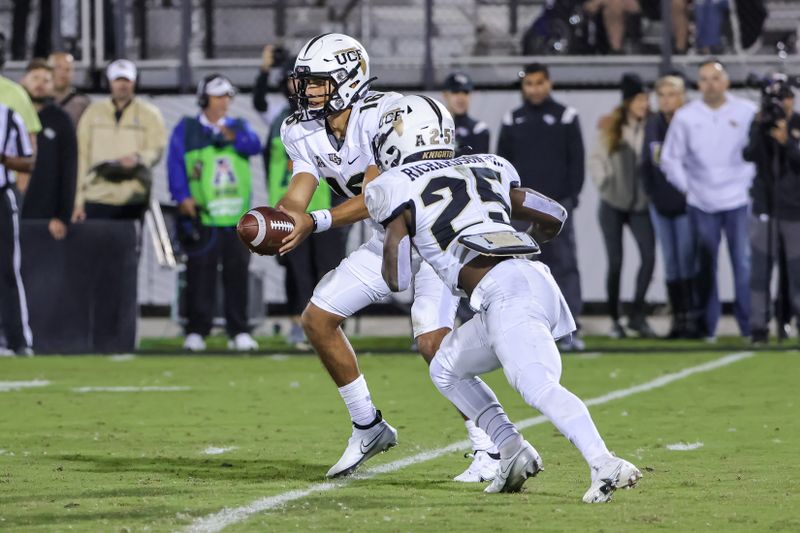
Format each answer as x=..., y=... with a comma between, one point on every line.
x=194, y=343
x=614, y=474
x=243, y=342
x=365, y=442
x=512, y=472
x=483, y=468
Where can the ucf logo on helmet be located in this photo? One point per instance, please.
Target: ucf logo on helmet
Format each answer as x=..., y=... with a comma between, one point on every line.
x=349, y=55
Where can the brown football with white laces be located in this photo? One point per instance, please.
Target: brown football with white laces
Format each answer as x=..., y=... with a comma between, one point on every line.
x=263, y=228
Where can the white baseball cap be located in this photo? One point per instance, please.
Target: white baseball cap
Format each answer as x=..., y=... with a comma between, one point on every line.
x=121, y=68
x=219, y=86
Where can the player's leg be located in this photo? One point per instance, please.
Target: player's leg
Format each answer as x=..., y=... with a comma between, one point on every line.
x=525, y=316
x=464, y=354
x=432, y=317
x=354, y=284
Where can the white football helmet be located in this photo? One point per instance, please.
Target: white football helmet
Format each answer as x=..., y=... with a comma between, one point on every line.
x=416, y=128
x=339, y=65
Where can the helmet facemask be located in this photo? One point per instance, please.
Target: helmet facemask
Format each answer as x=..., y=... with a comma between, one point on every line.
x=328, y=101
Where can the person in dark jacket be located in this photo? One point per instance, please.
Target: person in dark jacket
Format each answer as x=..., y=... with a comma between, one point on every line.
x=50, y=195
x=472, y=136
x=668, y=211
x=542, y=139
x=775, y=221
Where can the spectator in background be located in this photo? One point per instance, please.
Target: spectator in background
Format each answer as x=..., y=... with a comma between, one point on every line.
x=614, y=167
x=51, y=191
x=774, y=146
x=679, y=12
x=542, y=139
x=210, y=178
x=320, y=252
x=472, y=136
x=668, y=211
x=120, y=139
x=709, y=16
x=613, y=13
x=702, y=157
x=16, y=155
x=19, y=36
x=66, y=95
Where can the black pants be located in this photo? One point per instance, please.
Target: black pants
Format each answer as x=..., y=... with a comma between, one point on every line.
x=612, y=221
x=13, y=304
x=309, y=262
x=785, y=236
x=19, y=46
x=114, y=212
x=217, y=245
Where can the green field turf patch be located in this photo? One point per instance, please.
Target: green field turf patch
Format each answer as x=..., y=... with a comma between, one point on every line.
x=104, y=461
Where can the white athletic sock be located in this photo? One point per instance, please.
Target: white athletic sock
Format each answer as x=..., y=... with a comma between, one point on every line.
x=479, y=439
x=358, y=401
x=503, y=433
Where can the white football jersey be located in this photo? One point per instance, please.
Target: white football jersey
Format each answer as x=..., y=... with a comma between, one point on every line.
x=310, y=149
x=449, y=198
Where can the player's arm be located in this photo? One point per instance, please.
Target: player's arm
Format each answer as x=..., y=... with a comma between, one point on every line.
x=294, y=203
x=354, y=209
x=546, y=216
x=396, y=268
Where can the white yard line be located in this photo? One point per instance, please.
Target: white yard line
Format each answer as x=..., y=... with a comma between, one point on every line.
x=217, y=450
x=6, y=386
x=229, y=516
x=684, y=447
x=130, y=389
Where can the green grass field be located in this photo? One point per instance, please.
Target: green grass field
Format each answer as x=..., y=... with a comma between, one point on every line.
x=136, y=461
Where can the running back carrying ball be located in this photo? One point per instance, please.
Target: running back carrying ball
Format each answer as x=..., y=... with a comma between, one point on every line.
x=263, y=228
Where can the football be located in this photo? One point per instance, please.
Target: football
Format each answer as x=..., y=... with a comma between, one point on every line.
x=263, y=228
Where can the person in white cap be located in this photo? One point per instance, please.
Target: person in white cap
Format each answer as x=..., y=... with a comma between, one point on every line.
x=210, y=179
x=120, y=140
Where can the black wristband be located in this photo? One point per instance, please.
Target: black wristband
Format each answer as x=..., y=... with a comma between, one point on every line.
x=313, y=220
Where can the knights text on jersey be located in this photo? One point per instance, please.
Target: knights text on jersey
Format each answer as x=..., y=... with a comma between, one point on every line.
x=310, y=149
x=448, y=198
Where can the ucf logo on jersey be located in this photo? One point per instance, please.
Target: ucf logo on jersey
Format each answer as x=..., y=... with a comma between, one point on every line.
x=335, y=159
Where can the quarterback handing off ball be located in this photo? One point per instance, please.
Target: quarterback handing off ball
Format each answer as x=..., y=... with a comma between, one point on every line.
x=263, y=228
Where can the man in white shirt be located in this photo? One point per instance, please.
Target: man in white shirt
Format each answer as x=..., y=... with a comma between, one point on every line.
x=702, y=157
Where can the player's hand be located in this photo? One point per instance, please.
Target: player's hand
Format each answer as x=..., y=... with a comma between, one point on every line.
x=79, y=214
x=188, y=207
x=57, y=229
x=303, y=227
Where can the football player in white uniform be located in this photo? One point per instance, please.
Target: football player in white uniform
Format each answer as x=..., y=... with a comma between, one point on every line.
x=330, y=137
x=456, y=214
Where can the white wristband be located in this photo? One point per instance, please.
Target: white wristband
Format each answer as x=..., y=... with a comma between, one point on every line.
x=322, y=220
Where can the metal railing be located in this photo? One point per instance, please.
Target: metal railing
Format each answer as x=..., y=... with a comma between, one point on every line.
x=412, y=43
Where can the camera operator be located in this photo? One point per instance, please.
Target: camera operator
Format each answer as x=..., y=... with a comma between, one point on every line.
x=774, y=147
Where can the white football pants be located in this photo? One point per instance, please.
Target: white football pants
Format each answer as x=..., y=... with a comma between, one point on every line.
x=521, y=313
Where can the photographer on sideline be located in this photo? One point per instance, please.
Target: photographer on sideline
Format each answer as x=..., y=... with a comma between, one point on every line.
x=774, y=147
